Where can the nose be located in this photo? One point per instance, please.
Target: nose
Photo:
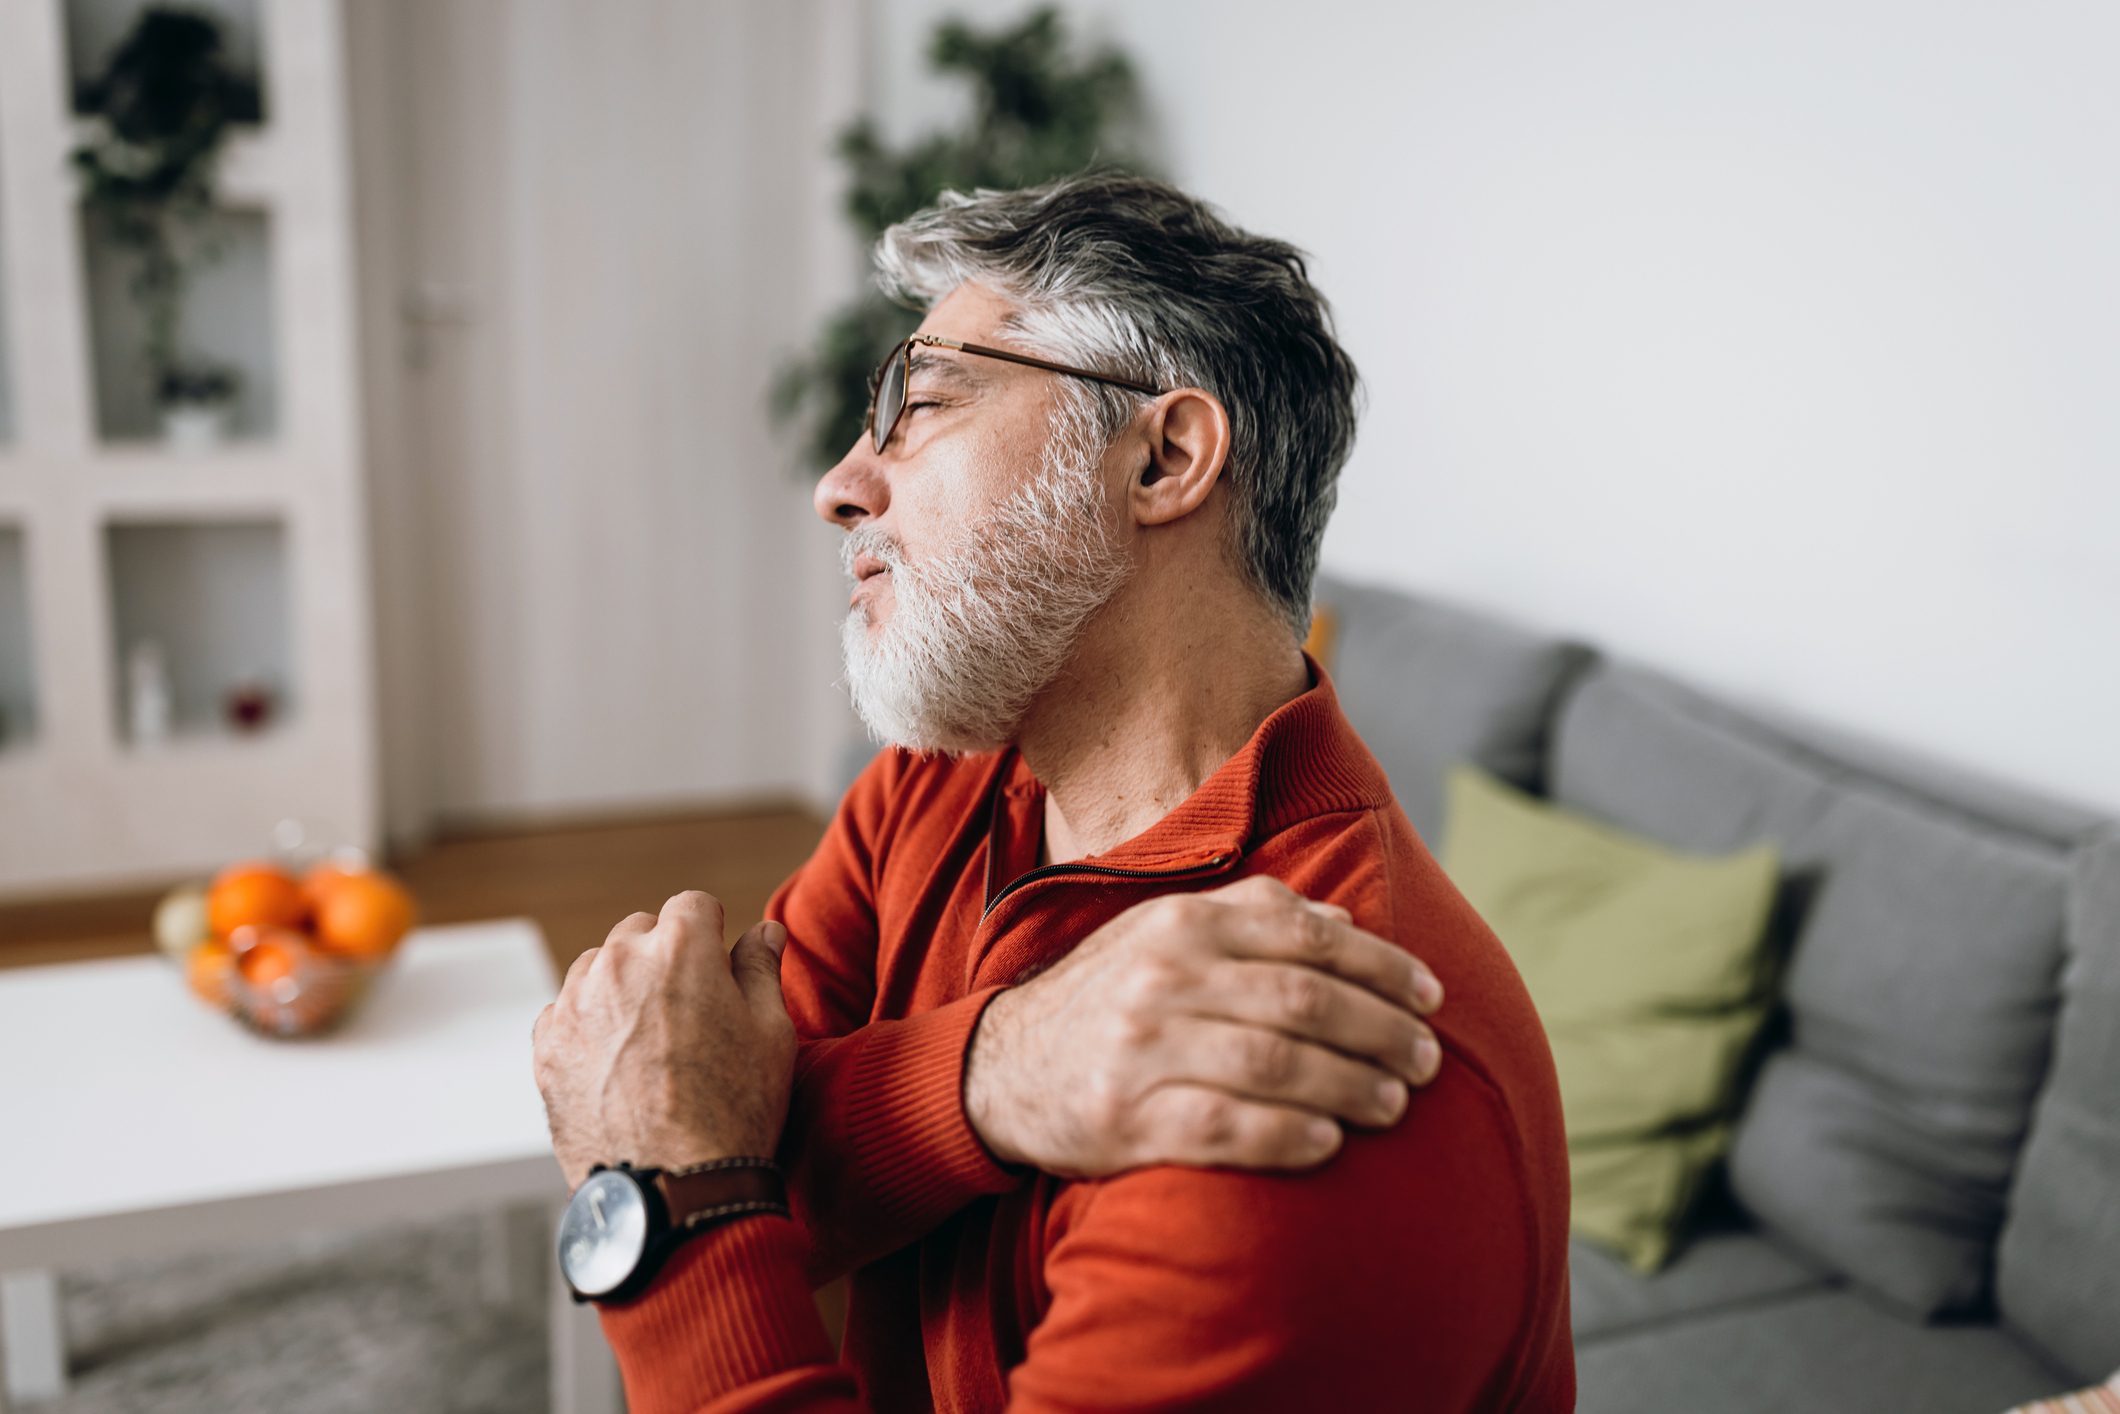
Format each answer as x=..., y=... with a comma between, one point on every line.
x=853, y=489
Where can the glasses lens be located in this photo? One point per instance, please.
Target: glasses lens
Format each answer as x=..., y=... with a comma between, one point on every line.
x=890, y=398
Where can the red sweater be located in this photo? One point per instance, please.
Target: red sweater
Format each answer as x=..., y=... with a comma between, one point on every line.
x=1423, y=1267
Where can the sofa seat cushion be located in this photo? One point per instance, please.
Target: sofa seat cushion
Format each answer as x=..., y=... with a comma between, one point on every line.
x=1819, y=1351
x=1716, y=1271
x=1430, y=684
x=1921, y=983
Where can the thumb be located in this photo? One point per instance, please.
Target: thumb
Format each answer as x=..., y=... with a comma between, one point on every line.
x=755, y=963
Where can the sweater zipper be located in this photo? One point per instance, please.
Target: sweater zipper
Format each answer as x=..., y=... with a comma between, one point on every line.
x=1047, y=871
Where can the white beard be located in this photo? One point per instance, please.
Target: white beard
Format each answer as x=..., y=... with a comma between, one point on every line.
x=985, y=624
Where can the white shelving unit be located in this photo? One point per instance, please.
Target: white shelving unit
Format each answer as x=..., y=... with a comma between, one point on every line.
x=251, y=556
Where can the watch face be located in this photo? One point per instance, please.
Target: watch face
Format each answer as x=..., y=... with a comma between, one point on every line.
x=603, y=1232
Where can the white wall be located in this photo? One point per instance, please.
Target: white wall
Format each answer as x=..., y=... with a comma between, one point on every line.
x=588, y=236
x=1774, y=344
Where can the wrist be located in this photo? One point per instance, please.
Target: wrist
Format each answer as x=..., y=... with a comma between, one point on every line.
x=985, y=1069
x=624, y=1222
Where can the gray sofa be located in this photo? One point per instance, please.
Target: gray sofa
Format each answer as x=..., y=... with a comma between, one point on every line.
x=1921, y=1207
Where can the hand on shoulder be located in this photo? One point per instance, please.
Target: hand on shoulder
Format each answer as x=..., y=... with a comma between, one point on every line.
x=1241, y=1026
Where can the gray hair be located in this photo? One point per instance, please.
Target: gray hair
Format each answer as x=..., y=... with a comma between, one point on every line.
x=1130, y=276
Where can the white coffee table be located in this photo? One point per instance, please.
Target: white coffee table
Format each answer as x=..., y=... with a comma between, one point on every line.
x=135, y=1121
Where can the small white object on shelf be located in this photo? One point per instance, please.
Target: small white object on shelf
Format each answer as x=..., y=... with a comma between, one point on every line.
x=195, y=427
x=147, y=693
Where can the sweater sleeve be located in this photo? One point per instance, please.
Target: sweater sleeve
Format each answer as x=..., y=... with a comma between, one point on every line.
x=877, y=1147
x=729, y=1325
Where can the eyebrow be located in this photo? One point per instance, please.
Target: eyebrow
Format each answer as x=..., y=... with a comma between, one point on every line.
x=944, y=370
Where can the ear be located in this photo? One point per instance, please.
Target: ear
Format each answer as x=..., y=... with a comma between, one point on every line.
x=1186, y=436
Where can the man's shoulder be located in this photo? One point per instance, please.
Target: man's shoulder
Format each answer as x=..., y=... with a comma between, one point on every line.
x=1372, y=862
x=1498, y=1077
x=1436, y=1246
x=1460, y=1134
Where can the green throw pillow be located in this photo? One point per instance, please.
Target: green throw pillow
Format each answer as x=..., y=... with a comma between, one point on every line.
x=1647, y=969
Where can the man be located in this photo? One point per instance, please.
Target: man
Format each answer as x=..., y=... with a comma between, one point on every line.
x=1051, y=1034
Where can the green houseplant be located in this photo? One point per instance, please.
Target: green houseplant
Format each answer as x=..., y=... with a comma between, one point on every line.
x=1039, y=111
x=158, y=118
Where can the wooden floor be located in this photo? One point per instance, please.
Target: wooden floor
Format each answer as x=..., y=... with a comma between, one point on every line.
x=575, y=881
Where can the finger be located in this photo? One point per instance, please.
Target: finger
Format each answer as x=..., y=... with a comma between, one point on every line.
x=1319, y=1007
x=1276, y=1068
x=1264, y=888
x=537, y=1027
x=581, y=964
x=755, y=963
x=1284, y=894
x=693, y=915
x=1199, y=1125
x=1310, y=937
x=1253, y=888
x=632, y=925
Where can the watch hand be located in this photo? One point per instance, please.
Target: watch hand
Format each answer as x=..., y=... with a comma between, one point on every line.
x=596, y=1206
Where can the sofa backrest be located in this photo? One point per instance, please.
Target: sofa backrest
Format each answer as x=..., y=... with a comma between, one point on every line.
x=2058, y=1267
x=1429, y=685
x=1921, y=976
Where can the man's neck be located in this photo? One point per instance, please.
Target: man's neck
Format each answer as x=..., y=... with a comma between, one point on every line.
x=1142, y=717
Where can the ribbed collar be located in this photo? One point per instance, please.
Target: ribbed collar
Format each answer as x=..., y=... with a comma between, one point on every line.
x=1303, y=760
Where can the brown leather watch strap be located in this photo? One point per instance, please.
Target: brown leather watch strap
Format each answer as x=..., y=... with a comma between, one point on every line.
x=724, y=1188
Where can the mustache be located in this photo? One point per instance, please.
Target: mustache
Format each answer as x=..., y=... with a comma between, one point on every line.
x=867, y=540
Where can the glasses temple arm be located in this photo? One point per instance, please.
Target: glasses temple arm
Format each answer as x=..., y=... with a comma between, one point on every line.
x=938, y=341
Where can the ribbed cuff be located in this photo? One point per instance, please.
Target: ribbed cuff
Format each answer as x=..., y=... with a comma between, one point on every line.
x=729, y=1308
x=904, y=1107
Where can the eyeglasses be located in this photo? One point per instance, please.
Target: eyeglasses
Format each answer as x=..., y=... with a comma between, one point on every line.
x=887, y=383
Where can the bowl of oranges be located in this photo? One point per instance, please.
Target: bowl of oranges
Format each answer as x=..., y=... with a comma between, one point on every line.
x=286, y=950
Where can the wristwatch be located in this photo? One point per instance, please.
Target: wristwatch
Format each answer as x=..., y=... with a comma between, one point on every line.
x=623, y=1222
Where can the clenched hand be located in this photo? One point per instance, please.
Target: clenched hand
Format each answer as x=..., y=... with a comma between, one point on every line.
x=665, y=1047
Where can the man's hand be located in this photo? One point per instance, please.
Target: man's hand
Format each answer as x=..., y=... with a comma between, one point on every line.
x=666, y=1048
x=1231, y=1026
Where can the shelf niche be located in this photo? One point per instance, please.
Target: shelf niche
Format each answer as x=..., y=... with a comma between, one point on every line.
x=227, y=318
x=96, y=27
x=18, y=681
x=213, y=594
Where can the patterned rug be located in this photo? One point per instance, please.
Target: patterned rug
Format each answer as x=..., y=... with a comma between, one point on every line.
x=381, y=1322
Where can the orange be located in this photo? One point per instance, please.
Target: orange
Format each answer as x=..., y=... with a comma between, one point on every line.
x=209, y=969
x=365, y=915
x=321, y=879
x=254, y=893
x=277, y=953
